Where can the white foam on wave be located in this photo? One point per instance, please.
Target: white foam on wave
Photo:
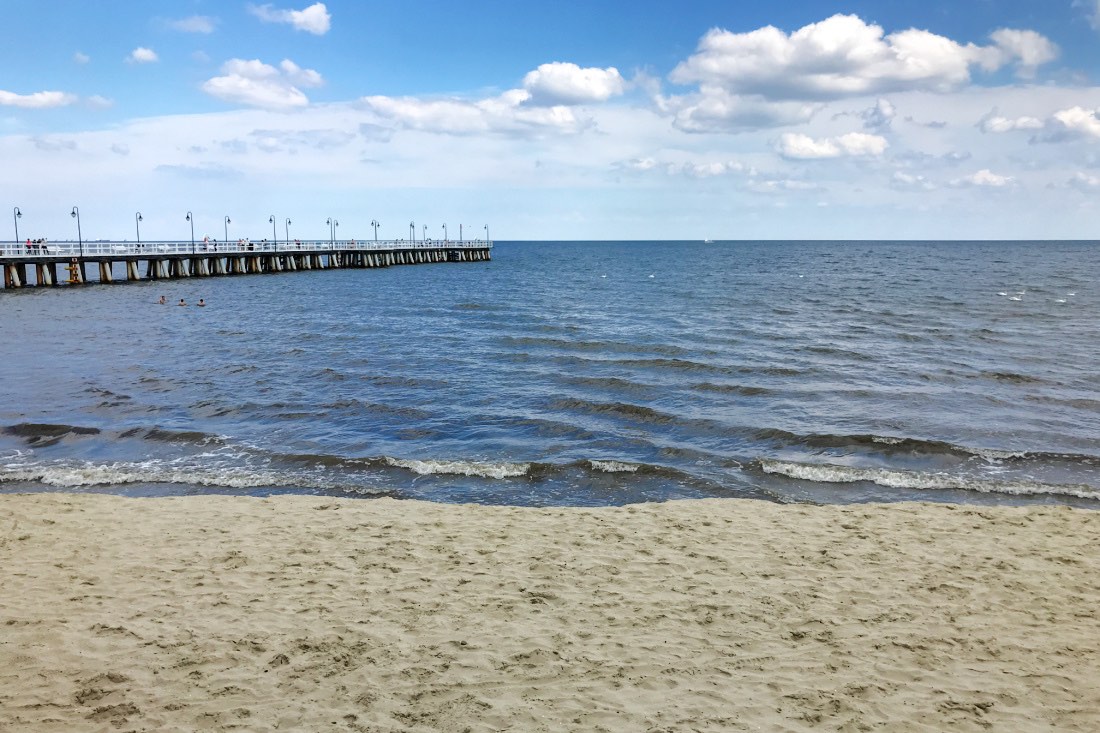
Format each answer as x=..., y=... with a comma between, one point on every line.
x=833, y=474
x=993, y=455
x=461, y=468
x=81, y=475
x=613, y=466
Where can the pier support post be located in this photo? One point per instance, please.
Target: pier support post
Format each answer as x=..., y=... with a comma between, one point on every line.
x=12, y=278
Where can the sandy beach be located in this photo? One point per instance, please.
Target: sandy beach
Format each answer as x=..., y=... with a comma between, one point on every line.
x=307, y=613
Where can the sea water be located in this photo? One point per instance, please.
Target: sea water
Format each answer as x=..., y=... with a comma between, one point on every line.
x=576, y=373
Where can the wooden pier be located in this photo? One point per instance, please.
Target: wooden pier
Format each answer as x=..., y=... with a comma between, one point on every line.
x=67, y=263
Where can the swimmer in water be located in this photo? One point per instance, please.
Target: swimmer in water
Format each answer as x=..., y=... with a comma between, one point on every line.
x=162, y=301
x=181, y=302
x=202, y=303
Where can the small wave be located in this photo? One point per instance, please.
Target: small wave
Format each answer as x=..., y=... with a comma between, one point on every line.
x=615, y=409
x=917, y=480
x=893, y=445
x=602, y=347
x=614, y=466
x=85, y=475
x=678, y=364
x=838, y=352
x=375, y=408
x=613, y=383
x=193, y=437
x=46, y=434
x=741, y=389
x=1011, y=377
x=460, y=468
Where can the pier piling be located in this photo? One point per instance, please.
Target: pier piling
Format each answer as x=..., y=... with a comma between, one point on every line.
x=174, y=260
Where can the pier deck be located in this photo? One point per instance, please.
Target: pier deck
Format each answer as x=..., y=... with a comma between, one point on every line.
x=167, y=260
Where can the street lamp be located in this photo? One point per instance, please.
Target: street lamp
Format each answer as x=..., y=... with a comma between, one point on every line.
x=227, y=222
x=192, y=231
x=137, y=225
x=75, y=213
x=274, y=234
x=412, y=230
x=424, y=235
x=487, y=238
x=332, y=224
x=460, y=234
x=287, y=232
x=374, y=223
x=445, y=239
x=16, y=215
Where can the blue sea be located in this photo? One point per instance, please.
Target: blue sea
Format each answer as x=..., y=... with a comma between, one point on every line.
x=576, y=373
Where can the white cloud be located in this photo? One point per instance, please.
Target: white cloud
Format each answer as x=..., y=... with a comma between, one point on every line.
x=142, y=55
x=297, y=75
x=194, y=24
x=911, y=182
x=638, y=164
x=97, y=101
x=781, y=185
x=1084, y=182
x=993, y=122
x=711, y=169
x=565, y=83
x=1092, y=8
x=81, y=58
x=1031, y=49
x=506, y=113
x=315, y=19
x=768, y=78
x=844, y=56
x=715, y=110
x=855, y=144
x=37, y=100
x=257, y=84
x=983, y=179
x=1071, y=124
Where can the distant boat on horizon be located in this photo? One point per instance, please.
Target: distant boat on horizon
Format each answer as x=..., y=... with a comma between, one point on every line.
x=708, y=241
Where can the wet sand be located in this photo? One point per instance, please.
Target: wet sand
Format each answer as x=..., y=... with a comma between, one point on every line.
x=308, y=613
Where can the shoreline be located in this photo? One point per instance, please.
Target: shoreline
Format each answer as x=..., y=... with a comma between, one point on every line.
x=239, y=613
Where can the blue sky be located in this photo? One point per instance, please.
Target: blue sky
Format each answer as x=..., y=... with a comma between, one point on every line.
x=571, y=120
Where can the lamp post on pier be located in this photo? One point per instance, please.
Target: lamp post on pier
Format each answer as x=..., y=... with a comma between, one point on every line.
x=75, y=213
x=226, y=223
x=274, y=234
x=190, y=219
x=137, y=226
x=332, y=224
x=424, y=234
x=16, y=215
x=487, y=238
x=412, y=230
x=287, y=230
x=460, y=234
x=445, y=233
x=374, y=223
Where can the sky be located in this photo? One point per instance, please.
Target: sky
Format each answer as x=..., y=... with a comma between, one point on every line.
x=576, y=120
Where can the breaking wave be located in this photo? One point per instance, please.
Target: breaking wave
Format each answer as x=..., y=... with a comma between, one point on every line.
x=919, y=480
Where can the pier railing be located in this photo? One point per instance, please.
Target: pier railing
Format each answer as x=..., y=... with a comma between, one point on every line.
x=101, y=248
